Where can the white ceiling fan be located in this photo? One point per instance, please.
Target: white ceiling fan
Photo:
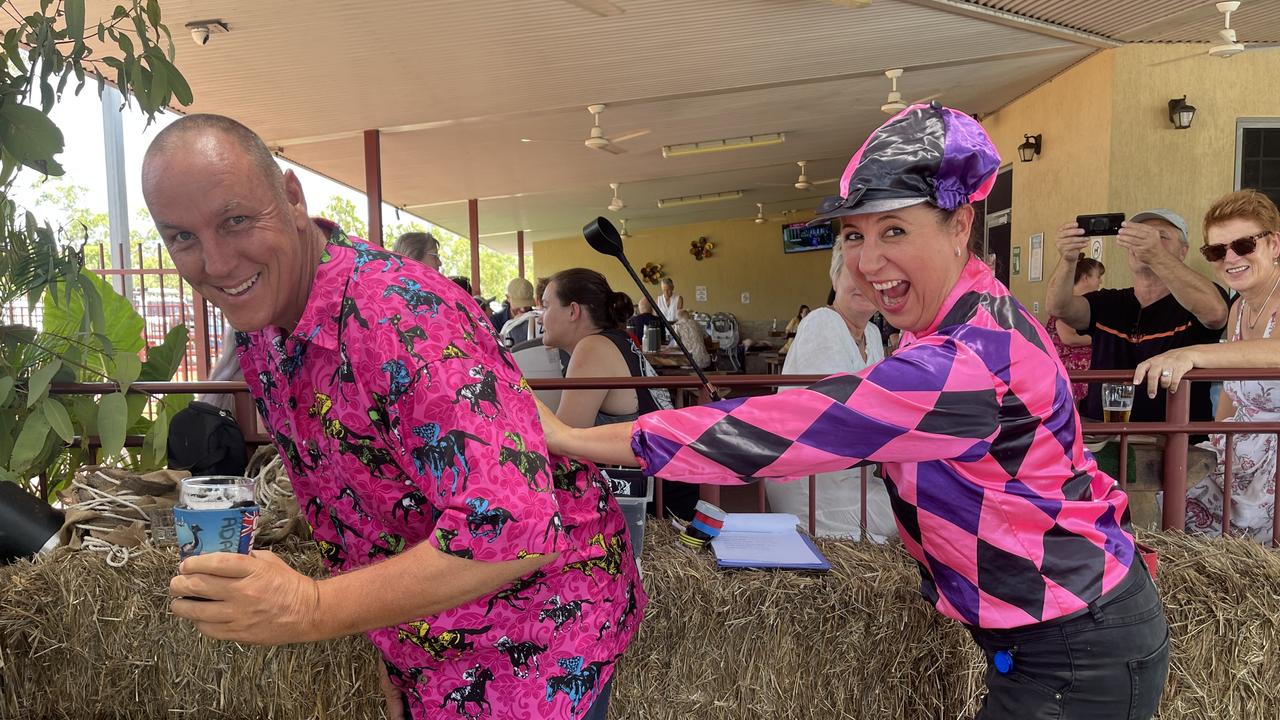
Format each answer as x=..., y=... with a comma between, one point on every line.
x=596, y=140
x=624, y=234
x=616, y=204
x=893, y=104
x=1227, y=43
x=759, y=213
x=802, y=182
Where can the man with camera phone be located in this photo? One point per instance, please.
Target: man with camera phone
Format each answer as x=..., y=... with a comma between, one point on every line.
x=1169, y=306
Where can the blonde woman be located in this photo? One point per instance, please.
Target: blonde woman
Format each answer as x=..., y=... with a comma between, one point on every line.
x=669, y=303
x=837, y=339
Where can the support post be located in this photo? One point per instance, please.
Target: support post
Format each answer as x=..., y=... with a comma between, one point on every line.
x=520, y=252
x=373, y=183
x=473, y=216
x=117, y=192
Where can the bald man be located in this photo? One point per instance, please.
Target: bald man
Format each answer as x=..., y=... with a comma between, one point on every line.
x=487, y=575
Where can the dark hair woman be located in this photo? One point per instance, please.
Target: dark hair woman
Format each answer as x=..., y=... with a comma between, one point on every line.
x=583, y=317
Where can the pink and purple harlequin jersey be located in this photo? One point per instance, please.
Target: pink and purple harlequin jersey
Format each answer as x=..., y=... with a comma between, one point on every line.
x=996, y=498
x=402, y=420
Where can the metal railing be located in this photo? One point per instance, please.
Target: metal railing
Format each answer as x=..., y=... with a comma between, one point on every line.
x=159, y=295
x=1176, y=429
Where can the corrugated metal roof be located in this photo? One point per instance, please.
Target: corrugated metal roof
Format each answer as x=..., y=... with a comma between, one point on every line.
x=1150, y=20
x=455, y=84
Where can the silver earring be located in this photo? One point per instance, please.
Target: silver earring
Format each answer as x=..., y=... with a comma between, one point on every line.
x=957, y=252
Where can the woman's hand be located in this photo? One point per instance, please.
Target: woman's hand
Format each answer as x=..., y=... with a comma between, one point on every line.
x=1165, y=370
x=553, y=428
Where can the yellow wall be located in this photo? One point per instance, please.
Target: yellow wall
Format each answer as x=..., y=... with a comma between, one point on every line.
x=1071, y=176
x=748, y=258
x=1185, y=170
x=1109, y=146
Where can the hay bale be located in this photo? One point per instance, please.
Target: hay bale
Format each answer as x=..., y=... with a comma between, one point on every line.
x=81, y=640
x=859, y=642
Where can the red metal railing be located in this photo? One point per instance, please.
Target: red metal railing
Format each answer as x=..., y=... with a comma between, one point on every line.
x=1176, y=429
x=160, y=296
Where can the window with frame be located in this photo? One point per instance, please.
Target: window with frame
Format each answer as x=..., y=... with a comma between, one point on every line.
x=1258, y=153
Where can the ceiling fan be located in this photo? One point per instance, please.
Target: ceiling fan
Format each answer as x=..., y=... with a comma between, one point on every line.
x=596, y=140
x=762, y=218
x=1228, y=44
x=624, y=234
x=893, y=104
x=616, y=204
x=802, y=182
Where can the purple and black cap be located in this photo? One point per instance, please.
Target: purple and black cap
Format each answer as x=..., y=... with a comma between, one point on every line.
x=926, y=153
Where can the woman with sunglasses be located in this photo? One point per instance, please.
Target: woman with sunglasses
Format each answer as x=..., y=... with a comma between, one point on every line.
x=1241, y=241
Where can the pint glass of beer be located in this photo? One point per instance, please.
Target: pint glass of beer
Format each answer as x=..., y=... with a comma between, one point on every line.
x=215, y=513
x=1117, y=402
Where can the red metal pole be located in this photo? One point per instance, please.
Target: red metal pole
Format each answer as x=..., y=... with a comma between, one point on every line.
x=762, y=498
x=710, y=493
x=164, y=292
x=520, y=252
x=1177, y=412
x=1275, y=512
x=202, y=335
x=373, y=183
x=862, y=509
x=473, y=218
x=813, y=505
x=1226, y=485
x=1124, y=462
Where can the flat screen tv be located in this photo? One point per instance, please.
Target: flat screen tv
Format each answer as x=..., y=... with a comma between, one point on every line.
x=798, y=238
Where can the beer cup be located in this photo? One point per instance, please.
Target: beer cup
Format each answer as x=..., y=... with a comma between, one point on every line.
x=215, y=513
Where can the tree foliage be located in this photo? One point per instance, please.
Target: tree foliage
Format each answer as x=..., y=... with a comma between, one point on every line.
x=496, y=269
x=89, y=333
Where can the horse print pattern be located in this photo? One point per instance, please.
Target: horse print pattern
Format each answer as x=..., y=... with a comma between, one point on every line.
x=412, y=425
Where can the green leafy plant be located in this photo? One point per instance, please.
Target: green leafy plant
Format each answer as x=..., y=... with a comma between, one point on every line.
x=90, y=332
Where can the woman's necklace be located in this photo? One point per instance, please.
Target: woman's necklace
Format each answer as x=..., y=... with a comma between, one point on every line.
x=859, y=338
x=1263, y=307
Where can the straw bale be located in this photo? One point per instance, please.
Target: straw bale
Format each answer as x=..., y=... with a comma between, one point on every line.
x=81, y=640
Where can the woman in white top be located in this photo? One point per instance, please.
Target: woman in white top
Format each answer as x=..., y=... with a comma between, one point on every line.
x=830, y=340
x=669, y=304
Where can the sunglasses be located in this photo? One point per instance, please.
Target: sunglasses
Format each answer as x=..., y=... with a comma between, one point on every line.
x=1240, y=246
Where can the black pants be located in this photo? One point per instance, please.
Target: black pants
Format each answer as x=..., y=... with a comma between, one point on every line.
x=1109, y=662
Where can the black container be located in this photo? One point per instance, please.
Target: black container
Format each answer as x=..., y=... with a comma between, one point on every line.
x=27, y=524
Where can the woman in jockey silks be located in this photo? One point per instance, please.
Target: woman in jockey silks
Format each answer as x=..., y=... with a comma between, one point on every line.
x=1018, y=534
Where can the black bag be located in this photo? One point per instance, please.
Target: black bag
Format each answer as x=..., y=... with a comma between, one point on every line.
x=207, y=441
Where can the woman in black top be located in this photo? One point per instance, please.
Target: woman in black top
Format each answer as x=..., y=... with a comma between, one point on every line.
x=584, y=318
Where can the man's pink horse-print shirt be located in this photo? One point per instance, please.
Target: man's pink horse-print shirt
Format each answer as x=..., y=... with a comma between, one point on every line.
x=402, y=420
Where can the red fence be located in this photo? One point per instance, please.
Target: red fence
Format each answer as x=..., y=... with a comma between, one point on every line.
x=1176, y=430
x=160, y=296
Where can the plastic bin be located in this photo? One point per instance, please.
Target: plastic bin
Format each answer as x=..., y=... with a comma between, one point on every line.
x=633, y=511
x=633, y=490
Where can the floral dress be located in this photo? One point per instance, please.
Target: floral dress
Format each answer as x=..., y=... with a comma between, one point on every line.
x=1074, y=357
x=1253, y=463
